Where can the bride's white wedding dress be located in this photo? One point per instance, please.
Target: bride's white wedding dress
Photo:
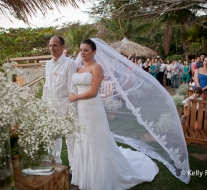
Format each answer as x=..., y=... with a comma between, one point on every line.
x=99, y=164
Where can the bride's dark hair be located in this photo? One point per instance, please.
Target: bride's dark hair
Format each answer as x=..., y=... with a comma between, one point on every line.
x=90, y=43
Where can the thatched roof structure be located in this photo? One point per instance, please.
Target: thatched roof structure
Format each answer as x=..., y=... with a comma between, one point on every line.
x=25, y=8
x=127, y=48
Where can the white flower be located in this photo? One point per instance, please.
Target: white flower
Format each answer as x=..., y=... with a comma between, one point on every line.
x=178, y=100
x=137, y=93
x=111, y=104
x=39, y=124
x=183, y=88
x=165, y=124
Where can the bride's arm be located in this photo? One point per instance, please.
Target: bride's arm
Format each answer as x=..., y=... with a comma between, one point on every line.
x=97, y=76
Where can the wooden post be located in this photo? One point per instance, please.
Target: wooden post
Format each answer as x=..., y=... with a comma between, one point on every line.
x=8, y=60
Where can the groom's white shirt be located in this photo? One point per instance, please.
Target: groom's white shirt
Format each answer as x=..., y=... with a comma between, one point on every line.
x=59, y=80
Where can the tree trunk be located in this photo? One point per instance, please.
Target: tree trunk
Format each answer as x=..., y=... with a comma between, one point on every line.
x=183, y=41
x=167, y=38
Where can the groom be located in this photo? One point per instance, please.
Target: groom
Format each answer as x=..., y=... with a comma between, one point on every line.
x=59, y=71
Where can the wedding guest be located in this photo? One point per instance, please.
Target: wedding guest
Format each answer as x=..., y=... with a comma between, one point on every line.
x=200, y=76
x=157, y=62
x=199, y=63
x=66, y=52
x=174, y=75
x=186, y=73
x=139, y=62
x=161, y=71
x=168, y=72
x=202, y=56
x=146, y=66
x=132, y=58
x=191, y=64
x=149, y=61
x=180, y=71
x=153, y=68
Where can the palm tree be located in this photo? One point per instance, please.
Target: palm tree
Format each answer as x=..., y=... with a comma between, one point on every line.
x=76, y=33
x=117, y=29
x=23, y=9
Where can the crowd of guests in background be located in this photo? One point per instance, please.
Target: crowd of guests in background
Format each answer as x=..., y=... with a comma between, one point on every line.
x=176, y=72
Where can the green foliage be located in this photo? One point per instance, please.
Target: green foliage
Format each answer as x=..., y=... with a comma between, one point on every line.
x=40, y=90
x=24, y=42
x=175, y=57
x=117, y=29
x=75, y=33
x=180, y=16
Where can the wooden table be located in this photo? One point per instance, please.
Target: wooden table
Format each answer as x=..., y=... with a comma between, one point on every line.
x=57, y=181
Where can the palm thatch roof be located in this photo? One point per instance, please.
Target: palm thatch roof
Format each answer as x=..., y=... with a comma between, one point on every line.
x=26, y=8
x=127, y=48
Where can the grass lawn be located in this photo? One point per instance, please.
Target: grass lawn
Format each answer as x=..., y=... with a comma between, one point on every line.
x=165, y=180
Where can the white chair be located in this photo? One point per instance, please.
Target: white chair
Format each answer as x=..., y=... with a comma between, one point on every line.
x=107, y=89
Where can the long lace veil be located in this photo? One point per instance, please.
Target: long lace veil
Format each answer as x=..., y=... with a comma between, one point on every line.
x=147, y=119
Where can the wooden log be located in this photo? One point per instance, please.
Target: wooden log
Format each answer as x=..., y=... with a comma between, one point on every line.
x=57, y=181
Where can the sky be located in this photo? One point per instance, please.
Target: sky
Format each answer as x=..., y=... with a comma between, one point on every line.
x=52, y=18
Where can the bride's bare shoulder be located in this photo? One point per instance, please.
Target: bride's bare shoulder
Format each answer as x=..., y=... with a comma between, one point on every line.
x=97, y=66
x=97, y=70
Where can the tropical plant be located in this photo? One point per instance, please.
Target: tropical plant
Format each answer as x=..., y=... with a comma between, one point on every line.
x=180, y=13
x=76, y=33
x=22, y=9
x=142, y=9
x=118, y=29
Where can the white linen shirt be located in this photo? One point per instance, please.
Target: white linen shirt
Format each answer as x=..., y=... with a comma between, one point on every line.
x=162, y=67
x=58, y=82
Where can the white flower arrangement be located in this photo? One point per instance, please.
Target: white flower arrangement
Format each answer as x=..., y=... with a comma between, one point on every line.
x=183, y=88
x=137, y=93
x=10, y=69
x=3, y=147
x=178, y=100
x=165, y=124
x=39, y=124
x=112, y=104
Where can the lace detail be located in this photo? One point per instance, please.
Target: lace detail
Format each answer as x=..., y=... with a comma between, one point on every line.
x=146, y=149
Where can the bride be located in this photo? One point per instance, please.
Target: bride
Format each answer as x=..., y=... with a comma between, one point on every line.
x=98, y=163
